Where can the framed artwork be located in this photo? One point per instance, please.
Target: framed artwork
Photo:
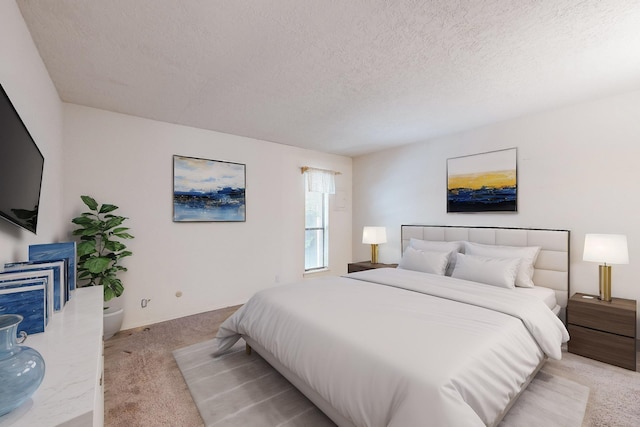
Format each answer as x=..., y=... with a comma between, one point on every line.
x=54, y=252
x=485, y=182
x=208, y=190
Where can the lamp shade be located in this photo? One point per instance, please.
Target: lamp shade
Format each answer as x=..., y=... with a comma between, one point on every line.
x=374, y=235
x=606, y=248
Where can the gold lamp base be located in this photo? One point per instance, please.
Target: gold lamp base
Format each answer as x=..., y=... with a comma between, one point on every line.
x=605, y=282
x=374, y=253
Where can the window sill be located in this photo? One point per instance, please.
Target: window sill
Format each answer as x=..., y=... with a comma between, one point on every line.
x=314, y=272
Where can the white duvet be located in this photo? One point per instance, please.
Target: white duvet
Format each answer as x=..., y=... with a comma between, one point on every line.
x=391, y=347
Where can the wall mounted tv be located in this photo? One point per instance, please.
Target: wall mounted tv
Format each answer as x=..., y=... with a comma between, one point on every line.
x=21, y=165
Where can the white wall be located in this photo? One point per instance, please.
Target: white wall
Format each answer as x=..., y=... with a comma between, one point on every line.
x=578, y=169
x=127, y=161
x=26, y=81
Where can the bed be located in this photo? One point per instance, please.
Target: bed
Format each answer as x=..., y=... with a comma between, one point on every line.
x=403, y=347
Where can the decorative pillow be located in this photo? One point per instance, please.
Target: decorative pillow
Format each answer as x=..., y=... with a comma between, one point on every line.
x=439, y=246
x=491, y=271
x=526, y=254
x=425, y=261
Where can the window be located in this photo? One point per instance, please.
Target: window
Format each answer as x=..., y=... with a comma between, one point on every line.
x=316, y=240
x=319, y=183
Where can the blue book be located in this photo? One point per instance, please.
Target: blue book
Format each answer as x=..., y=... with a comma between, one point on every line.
x=54, y=252
x=26, y=298
x=60, y=289
x=12, y=278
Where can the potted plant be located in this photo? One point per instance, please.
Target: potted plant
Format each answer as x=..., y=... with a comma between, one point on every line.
x=99, y=254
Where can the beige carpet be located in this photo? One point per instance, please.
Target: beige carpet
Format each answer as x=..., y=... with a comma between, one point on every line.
x=614, y=399
x=144, y=387
x=237, y=390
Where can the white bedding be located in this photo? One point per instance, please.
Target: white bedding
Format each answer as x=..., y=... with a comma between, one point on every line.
x=546, y=295
x=389, y=354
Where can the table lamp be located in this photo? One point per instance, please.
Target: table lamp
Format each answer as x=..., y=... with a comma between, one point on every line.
x=374, y=236
x=606, y=249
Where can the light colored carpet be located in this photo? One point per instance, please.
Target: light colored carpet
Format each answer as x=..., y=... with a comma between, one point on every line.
x=240, y=390
x=614, y=398
x=144, y=387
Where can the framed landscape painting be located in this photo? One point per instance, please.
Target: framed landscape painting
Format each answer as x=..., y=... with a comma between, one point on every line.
x=208, y=190
x=486, y=182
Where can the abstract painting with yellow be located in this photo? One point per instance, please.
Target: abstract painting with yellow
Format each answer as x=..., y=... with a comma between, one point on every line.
x=482, y=182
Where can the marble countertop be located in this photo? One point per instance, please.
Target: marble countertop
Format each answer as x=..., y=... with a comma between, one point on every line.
x=72, y=349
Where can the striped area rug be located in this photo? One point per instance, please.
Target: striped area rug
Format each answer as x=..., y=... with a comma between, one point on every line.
x=239, y=390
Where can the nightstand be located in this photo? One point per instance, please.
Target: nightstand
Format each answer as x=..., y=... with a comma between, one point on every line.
x=604, y=331
x=367, y=265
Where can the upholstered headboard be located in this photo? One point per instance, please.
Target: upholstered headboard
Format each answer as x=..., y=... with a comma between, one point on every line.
x=551, y=269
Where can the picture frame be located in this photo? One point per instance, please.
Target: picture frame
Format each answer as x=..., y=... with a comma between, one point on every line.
x=55, y=252
x=29, y=298
x=484, y=182
x=208, y=190
x=58, y=283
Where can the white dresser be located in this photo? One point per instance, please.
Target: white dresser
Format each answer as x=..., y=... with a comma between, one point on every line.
x=71, y=393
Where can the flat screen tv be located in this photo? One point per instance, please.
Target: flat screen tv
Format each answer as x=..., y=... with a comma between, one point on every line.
x=21, y=165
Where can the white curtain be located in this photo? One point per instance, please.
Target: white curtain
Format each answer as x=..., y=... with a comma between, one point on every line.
x=321, y=181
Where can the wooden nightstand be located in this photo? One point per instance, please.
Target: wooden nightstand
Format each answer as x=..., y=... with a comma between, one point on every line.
x=367, y=265
x=604, y=331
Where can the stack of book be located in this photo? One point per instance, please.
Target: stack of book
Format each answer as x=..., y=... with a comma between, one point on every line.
x=37, y=288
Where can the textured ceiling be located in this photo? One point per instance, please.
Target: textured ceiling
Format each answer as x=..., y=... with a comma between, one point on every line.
x=345, y=77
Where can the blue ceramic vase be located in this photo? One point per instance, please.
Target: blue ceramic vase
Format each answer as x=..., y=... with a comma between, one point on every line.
x=21, y=367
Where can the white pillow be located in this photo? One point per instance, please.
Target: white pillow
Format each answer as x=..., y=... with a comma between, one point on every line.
x=491, y=271
x=526, y=254
x=439, y=246
x=425, y=261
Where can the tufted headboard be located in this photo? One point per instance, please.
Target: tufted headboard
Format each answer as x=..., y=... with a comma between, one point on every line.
x=551, y=269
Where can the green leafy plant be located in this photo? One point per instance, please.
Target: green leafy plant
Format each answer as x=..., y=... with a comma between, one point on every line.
x=100, y=249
